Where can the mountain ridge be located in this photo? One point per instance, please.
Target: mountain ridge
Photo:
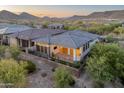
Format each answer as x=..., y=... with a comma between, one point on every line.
x=113, y=14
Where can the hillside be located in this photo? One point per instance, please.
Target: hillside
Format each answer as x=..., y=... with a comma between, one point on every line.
x=118, y=14
x=25, y=15
x=7, y=15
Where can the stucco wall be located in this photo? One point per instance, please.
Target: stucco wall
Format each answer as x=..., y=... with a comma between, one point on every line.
x=13, y=41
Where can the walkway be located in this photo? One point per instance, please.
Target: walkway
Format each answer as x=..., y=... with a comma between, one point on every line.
x=43, y=77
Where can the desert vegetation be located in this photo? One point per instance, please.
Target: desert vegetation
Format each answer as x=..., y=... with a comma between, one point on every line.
x=63, y=78
x=13, y=70
x=105, y=64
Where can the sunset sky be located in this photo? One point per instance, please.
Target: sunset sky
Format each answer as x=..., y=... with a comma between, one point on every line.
x=60, y=10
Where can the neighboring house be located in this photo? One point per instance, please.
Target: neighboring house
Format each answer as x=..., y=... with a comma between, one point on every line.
x=122, y=24
x=24, y=39
x=71, y=46
x=38, y=26
x=56, y=26
x=8, y=29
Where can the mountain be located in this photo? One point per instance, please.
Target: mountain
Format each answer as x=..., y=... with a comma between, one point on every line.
x=45, y=18
x=7, y=15
x=75, y=17
x=25, y=15
x=115, y=14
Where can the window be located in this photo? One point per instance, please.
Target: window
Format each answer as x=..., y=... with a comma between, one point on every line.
x=41, y=48
x=32, y=43
x=45, y=48
x=38, y=48
x=88, y=44
x=24, y=43
x=84, y=47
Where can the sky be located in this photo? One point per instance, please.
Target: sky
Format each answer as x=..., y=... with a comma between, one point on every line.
x=60, y=10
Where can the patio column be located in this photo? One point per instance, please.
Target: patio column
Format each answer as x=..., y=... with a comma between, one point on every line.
x=29, y=43
x=81, y=50
x=74, y=55
x=20, y=42
x=68, y=51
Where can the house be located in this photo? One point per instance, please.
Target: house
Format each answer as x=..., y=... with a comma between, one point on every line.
x=122, y=24
x=56, y=26
x=8, y=29
x=24, y=39
x=38, y=26
x=70, y=46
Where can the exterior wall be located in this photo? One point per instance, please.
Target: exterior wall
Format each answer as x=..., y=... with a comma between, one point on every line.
x=13, y=41
x=1, y=39
x=84, y=53
x=93, y=42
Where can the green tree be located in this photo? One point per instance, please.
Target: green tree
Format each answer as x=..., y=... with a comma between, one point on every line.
x=63, y=78
x=105, y=61
x=45, y=24
x=100, y=69
x=12, y=73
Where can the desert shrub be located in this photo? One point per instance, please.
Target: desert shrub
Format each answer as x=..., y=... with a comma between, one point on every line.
x=30, y=67
x=12, y=73
x=98, y=84
x=105, y=61
x=109, y=39
x=119, y=30
x=15, y=52
x=2, y=50
x=63, y=78
x=75, y=64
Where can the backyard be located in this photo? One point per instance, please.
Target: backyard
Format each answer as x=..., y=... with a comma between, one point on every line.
x=38, y=72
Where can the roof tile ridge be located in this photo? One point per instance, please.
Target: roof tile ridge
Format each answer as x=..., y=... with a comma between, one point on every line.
x=69, y=34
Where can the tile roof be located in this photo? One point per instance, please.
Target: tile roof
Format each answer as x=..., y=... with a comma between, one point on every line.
x=36, y=33
x=12, y=28
x=72, y=39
